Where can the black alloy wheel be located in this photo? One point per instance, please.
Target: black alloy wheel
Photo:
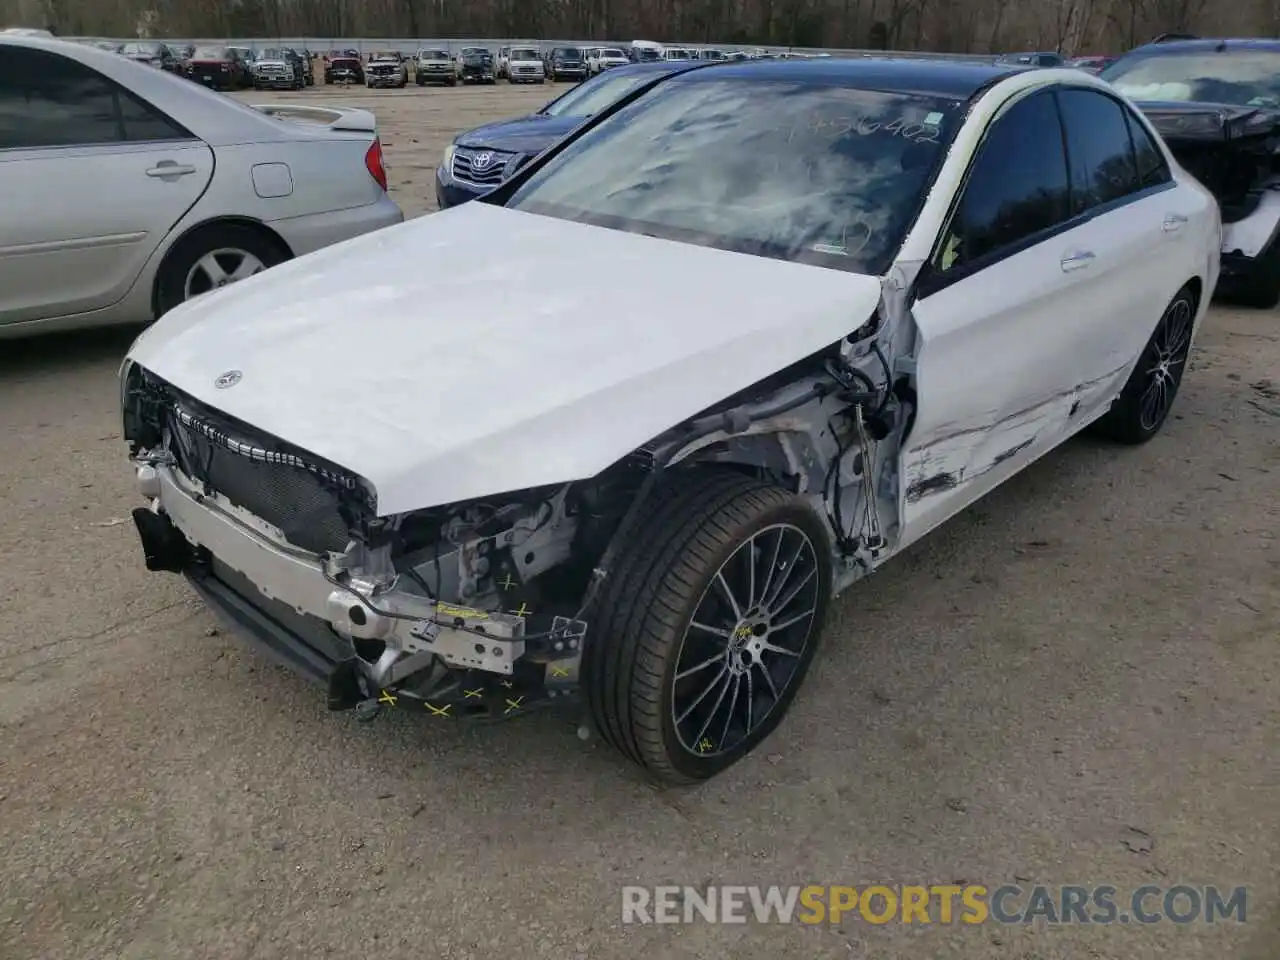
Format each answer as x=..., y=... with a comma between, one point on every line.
x=745, y=641
x=1143, y=405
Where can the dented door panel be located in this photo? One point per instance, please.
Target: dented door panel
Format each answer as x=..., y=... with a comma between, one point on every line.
x=1001, y=373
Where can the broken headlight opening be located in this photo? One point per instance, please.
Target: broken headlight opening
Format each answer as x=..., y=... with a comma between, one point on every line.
x=1232, y=150
x=471, y=609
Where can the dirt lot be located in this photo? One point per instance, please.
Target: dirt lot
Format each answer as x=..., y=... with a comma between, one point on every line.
x=1077, y=682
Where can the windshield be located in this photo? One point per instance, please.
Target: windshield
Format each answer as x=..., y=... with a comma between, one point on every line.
x=613, y=52
x=211, y=53
x=646, y=54
x=524, y=53
x=675, y=53
x=433, y=55
x=345, y=62
x=1244, y=78
x=475, y=52
x=271, y=53
x=143, y=49
x=595, y=95
x=568, y=53
x=821, y=175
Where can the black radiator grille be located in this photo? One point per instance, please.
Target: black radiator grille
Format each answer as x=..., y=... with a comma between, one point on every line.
x=300, y=498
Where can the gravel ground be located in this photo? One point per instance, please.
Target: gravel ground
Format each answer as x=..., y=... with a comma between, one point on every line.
x=1076, y=682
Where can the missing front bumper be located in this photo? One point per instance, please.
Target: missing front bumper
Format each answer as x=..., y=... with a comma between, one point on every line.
x=303, y=615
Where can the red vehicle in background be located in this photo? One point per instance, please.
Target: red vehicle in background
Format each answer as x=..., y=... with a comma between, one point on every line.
x=220, y=68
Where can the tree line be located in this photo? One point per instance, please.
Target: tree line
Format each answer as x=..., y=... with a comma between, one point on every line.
x=959, y=26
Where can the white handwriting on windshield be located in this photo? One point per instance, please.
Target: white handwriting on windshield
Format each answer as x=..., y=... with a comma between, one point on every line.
x=864, y=126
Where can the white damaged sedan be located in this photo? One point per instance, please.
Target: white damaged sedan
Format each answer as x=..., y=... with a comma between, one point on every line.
x=849, y=298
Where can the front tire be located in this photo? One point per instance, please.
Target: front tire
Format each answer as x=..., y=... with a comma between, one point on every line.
x=213, y=257
x=1144, y=404
x=707, y=625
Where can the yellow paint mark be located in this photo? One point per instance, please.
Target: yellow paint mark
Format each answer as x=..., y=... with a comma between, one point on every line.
x=507, y=583
x=524, y=610
x=387, y=698
x=705, y=745
x=469, y=613
x=473, y=693
x=506, y=683
x=513, y=704
x=559, y=672
x=437, y=711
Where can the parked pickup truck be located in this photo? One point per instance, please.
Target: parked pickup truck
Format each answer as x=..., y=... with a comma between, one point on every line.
x=433, y=65
x=600, y=59
x=386, y=70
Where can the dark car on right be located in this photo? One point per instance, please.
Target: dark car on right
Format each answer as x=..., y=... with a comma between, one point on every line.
x=1216, y=103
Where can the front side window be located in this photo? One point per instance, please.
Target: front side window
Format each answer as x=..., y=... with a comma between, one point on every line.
x=1245, y=78
x=1103, y=168
x=47, y=100
x=1017, y=186
x=791, y=171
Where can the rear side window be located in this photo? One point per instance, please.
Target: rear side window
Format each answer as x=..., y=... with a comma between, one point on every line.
x=1103, y=166
x=1152, y=168
x=1017, y=187
x=48, y=100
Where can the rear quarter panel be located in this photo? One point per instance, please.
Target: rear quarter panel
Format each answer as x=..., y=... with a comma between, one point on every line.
x=328, y=174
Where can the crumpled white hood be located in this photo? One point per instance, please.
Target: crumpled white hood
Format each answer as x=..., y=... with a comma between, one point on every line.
x=483, y=350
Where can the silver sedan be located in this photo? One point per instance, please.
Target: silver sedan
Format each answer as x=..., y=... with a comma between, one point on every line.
x=128, y=190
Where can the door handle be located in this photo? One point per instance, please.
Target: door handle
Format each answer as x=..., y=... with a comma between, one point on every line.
x=1172, y=222
x=1077, y=261
x=170, y=168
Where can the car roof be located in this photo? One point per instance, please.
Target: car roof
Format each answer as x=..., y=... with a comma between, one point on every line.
x=950, y=79
x=1210, y=45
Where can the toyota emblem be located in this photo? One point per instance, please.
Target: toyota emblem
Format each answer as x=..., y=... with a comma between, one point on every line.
x=482, y=161
x=228, y=379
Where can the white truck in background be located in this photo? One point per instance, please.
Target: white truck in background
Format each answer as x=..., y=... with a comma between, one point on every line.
x=600, y=59
x=646, y=51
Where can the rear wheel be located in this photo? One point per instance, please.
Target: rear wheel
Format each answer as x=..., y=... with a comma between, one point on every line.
x=211, y=258
x=708, y=625
x=1144, y=404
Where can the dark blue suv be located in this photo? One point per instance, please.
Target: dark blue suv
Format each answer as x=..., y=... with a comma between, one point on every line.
x=480, y=159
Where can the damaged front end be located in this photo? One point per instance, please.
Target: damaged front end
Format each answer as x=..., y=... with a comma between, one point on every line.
x=1234, y=151
x=466, y=610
